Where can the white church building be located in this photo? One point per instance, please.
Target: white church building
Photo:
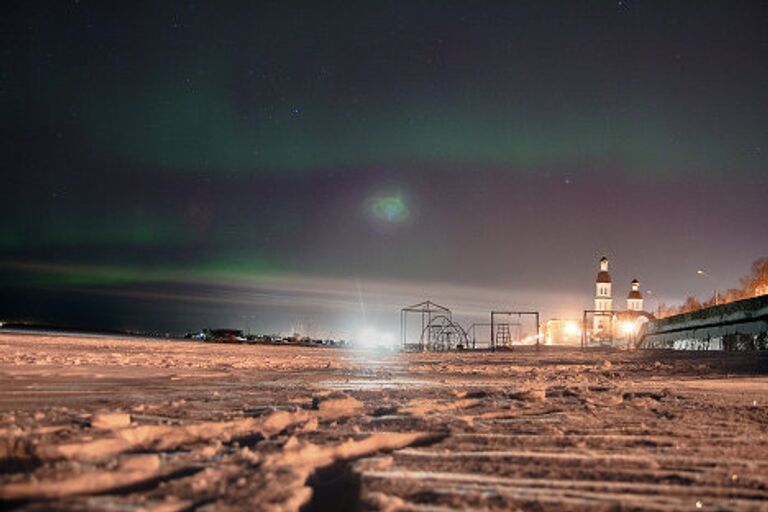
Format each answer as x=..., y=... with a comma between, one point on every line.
x=610, y=323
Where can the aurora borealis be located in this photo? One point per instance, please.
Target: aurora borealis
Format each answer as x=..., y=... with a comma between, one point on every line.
x=177, y=165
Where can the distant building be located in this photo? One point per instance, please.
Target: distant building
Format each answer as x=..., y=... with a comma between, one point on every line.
x=635, y=297
x=620, y=324
x=562, y=332
x=603, y=302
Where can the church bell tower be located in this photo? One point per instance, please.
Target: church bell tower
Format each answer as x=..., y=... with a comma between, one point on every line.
x=603, y=300
x=635, y=297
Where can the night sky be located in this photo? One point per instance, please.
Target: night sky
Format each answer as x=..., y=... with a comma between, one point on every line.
x=178, y=165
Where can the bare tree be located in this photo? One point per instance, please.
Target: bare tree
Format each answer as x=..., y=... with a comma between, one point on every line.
x=757, y=282
x=690, y=304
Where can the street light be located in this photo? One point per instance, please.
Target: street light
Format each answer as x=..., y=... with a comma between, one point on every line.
x=651, y=295
x=702, y=272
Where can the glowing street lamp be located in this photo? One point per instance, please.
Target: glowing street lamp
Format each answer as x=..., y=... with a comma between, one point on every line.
x=653, y=296
x=572, y=329
x=628, y=328
x=704, y=273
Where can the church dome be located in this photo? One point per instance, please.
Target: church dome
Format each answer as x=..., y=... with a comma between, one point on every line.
x=603, y=277
x=634, y=294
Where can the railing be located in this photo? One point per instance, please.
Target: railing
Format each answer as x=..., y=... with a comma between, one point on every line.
x=738, y=325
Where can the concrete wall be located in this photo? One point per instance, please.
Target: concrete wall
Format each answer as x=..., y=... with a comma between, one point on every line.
x=740, y=325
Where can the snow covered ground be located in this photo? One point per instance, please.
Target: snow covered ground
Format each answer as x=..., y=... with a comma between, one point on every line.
x=130, y=424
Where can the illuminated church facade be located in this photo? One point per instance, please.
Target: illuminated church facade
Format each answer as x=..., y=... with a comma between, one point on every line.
x=605, y=319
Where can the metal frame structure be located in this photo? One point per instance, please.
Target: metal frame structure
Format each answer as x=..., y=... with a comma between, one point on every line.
x=427, y=310
x=520, y=315
x=443, y=334
x=472, y=333
x=611, y=313
x=439, y=332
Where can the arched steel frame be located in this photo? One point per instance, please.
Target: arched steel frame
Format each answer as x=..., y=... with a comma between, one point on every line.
x=442, y=334
x=427, y=310
x=472, y=334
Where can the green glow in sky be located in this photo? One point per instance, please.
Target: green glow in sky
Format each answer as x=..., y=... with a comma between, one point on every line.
x=390, y=208
x=152, y=231
x=202, y=129
x=99, y=275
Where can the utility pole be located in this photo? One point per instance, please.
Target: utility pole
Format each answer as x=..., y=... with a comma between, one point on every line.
x=653, y=296
x=704, y=273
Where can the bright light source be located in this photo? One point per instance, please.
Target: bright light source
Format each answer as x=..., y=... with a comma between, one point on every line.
x=628, y=328
x=371, y=338
x=572, y=329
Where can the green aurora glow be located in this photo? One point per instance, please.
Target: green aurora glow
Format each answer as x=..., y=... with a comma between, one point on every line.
x=98, y=275
x=390, y=208
x=202, y=129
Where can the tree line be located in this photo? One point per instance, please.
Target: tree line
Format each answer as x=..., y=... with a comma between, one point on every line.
x=752, y=285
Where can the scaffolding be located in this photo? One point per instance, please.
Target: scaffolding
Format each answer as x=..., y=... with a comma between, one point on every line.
x=501, y=335
x=504, y=335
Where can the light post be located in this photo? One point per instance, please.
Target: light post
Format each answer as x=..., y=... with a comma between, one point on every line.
x=658, y=304
x=702, y=272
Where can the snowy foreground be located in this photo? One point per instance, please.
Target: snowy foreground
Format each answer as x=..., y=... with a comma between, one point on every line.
x=117, y=424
